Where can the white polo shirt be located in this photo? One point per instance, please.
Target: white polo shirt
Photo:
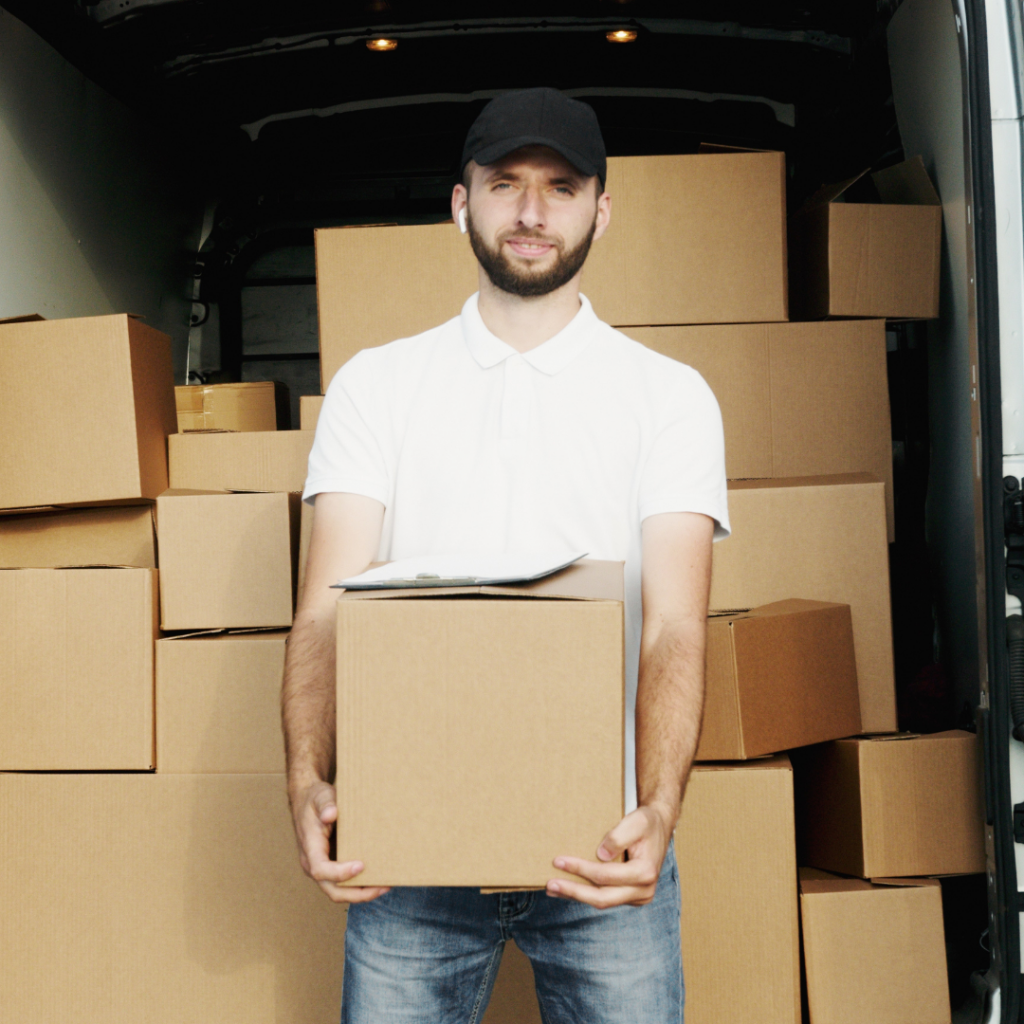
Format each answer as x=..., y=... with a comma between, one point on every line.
x=472, y=446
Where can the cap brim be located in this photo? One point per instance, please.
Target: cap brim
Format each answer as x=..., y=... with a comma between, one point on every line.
x=496, y=150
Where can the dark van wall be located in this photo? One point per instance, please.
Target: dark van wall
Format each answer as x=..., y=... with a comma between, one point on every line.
x=92, y=220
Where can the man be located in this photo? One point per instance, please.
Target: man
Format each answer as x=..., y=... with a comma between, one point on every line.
x=523, y=424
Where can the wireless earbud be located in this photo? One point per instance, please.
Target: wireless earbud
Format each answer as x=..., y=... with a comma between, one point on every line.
x=462, y=220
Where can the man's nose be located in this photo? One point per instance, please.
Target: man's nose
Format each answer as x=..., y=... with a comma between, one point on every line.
x=532, y=209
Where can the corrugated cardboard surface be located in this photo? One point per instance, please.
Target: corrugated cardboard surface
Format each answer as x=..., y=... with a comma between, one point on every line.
x=185, y=903
x=821, y=538
x=248, y=406
x=737, y=872
x=88, y=536
x=874, y=953
x=309, y=411
x=76, y=669
x=778, y=677
x=274, y=460
x=376, y=284
x=889, y=807
x=699, y=238
x=218, y=704
x=226, y=560
x=476, y=689
x=799, y=399
x=87, y=408
x=514, y=999
x=878, y=259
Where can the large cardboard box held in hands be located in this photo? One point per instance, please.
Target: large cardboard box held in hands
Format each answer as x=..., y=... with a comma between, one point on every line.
x=227, y=561
x=877, y=259
x=891, y=806
x=698, y=238
x=76, y=669
x=874, y=952
x=778, y=677
x=472, y=778
x=253, y=405
x=254, y=460
x=218, y=703
x=187, y=904
x=737, y=872
x=87, y=407
x=821, y=538
x=79, y=537
x=797, y=399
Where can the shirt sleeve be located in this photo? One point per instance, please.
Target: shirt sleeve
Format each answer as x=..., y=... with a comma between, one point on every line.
x=685, y=467
x=347, y=452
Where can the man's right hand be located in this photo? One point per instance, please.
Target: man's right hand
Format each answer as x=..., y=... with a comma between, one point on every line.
x=314, y=812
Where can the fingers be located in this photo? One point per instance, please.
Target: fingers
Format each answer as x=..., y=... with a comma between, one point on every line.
x=601, y=897
x=326, y=804
x=352, y=893
x=640, y=872
x=631, y=829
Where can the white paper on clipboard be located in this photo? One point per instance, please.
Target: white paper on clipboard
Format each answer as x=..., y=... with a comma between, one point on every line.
x=461, y=569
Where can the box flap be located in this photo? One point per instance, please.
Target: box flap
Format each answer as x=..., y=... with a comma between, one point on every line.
x=830, y=193
x=23, y=319
x=586, y=580
x=774, y=762
x=906, y=184
x=718, y=147
x=837, y=479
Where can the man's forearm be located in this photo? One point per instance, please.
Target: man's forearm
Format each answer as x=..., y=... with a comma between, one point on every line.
x=669, y=704
x=308, y=701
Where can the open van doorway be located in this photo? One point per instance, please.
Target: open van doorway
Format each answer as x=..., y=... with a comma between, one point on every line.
x=282, y=121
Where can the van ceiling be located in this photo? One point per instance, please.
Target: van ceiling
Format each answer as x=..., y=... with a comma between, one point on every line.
x=287, y=95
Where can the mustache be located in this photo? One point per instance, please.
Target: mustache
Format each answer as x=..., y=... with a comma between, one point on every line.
x=532, y=235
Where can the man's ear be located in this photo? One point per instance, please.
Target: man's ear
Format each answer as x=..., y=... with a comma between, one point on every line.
x=604, y=215
x=460, y=197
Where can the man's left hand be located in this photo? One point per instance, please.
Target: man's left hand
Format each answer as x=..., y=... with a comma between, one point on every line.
x=644, y=835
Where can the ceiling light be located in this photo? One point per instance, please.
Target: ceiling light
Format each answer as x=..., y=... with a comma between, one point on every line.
x=621, y=35
x=384, y=45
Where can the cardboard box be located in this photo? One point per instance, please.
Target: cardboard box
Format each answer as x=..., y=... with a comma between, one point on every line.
x=309, y=411
x=218, y=703
x=88, y=404
x=699, y=238
x=78, y=537
x=875, y=259
x=260, y=460
x=874, y=952
x=824, y=539
x=514, y=997
x=737, y=871
x=778, y=677
x=476, y=688
x=892, y=806
x=186, y=902
x=799, y=399
x=255, y=405
x=226, y=560
x=76, y=673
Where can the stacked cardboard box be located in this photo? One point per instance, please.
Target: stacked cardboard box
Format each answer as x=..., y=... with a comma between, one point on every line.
x=162, y=912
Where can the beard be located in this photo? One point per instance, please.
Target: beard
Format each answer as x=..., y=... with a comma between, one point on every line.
x=516, y=279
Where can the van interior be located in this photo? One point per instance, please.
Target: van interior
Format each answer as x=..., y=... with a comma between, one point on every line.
x=171, y=158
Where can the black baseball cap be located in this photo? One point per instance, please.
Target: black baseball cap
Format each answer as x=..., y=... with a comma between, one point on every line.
x=537, y=117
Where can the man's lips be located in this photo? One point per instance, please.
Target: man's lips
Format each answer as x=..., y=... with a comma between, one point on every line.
x=530, y=248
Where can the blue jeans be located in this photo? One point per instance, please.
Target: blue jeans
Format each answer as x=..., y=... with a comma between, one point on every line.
x=430, y=956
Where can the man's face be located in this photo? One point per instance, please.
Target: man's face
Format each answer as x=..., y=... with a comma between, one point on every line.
x=531, y=219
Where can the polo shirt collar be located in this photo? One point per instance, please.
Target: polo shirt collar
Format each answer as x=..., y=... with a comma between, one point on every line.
x=553, y=355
